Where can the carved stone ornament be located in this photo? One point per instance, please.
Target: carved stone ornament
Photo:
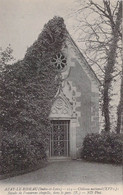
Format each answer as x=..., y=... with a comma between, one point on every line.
x=61, y=107
x=59, y=61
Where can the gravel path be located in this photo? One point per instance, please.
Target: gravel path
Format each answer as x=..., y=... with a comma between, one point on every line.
x=71, y=172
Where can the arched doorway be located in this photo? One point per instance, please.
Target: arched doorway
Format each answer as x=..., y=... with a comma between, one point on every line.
x=63, y=132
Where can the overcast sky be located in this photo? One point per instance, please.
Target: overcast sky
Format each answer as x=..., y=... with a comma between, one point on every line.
x=21, y=21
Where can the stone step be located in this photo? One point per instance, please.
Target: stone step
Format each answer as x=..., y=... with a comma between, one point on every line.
x=51, y=159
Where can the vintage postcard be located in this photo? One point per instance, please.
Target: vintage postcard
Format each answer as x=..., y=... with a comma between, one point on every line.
x=61, y=97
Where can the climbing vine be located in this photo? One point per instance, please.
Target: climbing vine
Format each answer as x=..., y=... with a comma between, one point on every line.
x=28, y=87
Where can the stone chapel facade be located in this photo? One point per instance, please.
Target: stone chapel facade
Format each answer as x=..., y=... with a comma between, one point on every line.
x=75, y=111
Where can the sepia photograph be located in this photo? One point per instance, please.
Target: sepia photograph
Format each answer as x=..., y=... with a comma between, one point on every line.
x=61, y=97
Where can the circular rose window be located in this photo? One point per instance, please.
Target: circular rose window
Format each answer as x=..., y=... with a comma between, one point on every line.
x=59, y=61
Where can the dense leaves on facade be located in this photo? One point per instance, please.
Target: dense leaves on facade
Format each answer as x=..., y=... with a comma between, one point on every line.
x=27, y=90
x=105, y=147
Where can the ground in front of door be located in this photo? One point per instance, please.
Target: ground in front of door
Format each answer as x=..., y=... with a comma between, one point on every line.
x=70, y=172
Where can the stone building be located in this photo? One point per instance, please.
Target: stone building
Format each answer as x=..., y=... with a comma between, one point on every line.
x=75, y=111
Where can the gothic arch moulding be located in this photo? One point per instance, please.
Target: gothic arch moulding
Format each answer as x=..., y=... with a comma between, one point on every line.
x=61, y=107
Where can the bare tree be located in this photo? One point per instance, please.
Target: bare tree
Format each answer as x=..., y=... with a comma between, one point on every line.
x=103, y=43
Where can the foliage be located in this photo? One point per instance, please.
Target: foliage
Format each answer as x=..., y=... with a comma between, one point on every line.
x=5, y=57
x=20, y=152
x=28, y=87
x=105, y=147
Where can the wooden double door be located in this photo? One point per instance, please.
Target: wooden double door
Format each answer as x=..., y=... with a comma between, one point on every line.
x=59, y=140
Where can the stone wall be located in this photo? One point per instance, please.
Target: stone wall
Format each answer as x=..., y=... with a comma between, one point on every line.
x=80, y=88
x=82, y=84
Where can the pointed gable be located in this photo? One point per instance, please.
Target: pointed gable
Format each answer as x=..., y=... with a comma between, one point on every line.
x=61, y=106
x=76, y=53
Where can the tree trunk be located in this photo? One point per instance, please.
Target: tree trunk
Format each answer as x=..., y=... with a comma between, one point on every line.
x=106, y=102
x=108, y=79
x=109, y=68
x=120, y=106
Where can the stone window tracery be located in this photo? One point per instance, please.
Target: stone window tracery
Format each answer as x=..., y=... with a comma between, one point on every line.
x=59, y=61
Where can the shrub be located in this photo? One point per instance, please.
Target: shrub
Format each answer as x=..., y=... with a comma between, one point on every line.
x=27, y=90
x=19, y=152
x=105, y=147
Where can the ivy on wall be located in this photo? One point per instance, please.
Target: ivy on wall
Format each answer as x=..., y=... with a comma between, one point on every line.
x=28, y=87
